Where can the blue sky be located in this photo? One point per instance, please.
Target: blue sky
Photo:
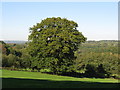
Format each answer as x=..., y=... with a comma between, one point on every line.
x=96, y=20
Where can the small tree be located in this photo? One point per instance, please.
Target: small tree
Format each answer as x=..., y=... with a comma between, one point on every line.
x=52, y=44
x=25, y=59
x=4, y=61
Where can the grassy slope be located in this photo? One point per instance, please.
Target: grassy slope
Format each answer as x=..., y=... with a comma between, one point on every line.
x=24, y=79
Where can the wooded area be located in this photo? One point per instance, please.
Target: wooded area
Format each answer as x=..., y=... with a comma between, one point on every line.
x=93, y=59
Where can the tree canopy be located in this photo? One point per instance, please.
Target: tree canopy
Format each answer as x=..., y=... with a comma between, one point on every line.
x=52, y=44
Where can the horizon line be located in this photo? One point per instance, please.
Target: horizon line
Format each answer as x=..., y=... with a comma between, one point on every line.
x=86, y=40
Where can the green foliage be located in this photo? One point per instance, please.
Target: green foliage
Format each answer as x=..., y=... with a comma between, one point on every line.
x=53, y=42
x=4, y=61
x=102, y=60
x=17, y=56
x=4, y=48
x=10, y=60
x=99, y=47
x=25, y=59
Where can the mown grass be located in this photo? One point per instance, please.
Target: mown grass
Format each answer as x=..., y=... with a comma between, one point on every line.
x=23, y=79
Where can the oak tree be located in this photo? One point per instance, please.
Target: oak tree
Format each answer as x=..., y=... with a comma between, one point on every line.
x=52, y=44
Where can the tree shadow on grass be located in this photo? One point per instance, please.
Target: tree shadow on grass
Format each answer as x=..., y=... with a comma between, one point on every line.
x=39, y=83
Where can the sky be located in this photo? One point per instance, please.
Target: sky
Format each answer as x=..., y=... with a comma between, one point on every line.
x=96, y=20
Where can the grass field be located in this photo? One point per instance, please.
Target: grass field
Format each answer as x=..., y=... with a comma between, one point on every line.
x=23, y=79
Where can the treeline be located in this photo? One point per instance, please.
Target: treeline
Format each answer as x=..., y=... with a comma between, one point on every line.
x=99, y=57
x=93, y=59
x=15, y=56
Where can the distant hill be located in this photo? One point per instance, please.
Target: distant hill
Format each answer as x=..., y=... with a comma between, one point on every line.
x=14, y=41
x=89, y=41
